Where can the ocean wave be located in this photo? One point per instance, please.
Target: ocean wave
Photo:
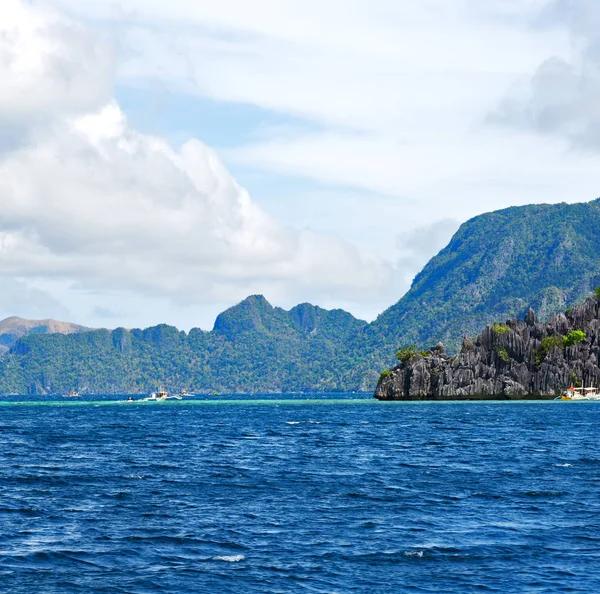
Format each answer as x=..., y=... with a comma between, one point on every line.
x=229, y=558
x=339, y=507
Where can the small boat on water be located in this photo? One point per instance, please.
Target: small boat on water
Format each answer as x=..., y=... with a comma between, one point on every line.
x=573, y=393
x=185, y=393
x=161, y=395
x=71, y=394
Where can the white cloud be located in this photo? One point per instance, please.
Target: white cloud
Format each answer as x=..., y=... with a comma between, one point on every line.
x=49, y=63
x=435, y=179
x=105, y=313
x=50, y=66
x=396, y=99
x=19, y=298
x=419, y=245
x=397, y=94
x=121, y=209
x=89, y=199
x=369, y=66
x=561, y=98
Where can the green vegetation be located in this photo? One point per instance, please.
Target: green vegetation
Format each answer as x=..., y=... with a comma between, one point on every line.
x=548, y=343
x=254, y=347
x=502, y=354
x=408, y=352
x=557, y=341
x=573, y=337
x=385, y=373
x=597, y=293
x=496, y=266
x=500, y=329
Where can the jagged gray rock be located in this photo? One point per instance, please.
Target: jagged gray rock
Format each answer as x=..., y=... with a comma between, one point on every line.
x=504, y=361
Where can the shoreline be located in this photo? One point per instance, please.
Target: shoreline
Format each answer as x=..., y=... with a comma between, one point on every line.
x=473, y=398
x=275, y=402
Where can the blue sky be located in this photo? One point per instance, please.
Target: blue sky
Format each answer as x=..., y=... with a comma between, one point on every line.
x=162, y=160
x=179, y=116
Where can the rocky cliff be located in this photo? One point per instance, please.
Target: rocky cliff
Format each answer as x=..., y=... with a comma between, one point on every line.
x=511, y=360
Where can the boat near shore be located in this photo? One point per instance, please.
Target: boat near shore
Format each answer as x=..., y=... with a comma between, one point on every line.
x=160, y=396
x=72, y=394
x=573, y=393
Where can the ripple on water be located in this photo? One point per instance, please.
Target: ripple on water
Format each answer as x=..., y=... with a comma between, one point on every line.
x=218, y=497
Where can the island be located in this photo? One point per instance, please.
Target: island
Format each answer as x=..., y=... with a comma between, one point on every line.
x=518, y=359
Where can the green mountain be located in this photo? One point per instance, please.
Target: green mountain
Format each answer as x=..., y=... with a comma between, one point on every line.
x=496, y=266
x=253, y=347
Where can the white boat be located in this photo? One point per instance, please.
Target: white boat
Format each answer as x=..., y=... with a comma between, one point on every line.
x=71, y=394
x=573, y=393
x=185, y=393
x=161, y=395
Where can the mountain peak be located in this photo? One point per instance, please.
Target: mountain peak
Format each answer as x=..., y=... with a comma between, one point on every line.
x=248, y=315
x=256, y=301
x=14, y=327
x=17, y=322
x=498, y=265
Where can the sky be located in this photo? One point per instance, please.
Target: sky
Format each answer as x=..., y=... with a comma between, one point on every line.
x=162, y=160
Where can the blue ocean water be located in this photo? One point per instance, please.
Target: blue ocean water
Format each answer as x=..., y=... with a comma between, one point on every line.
x=293, y=495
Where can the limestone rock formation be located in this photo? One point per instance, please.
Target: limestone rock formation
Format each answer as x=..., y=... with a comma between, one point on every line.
x=512, y=360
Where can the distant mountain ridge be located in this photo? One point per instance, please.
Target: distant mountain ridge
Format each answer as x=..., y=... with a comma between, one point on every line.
x=496, y=266
x=13, y=328
x=253, y=347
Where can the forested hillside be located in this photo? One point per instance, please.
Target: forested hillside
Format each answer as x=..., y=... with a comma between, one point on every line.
x=253, y=347
x=496, y=266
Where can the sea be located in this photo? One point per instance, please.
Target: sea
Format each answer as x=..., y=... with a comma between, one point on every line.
x=298, y=493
